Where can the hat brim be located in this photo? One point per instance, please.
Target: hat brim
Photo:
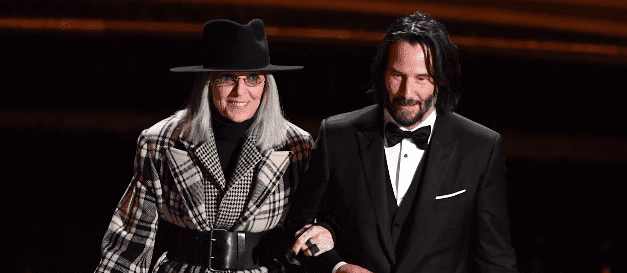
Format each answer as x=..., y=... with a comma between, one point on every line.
x=200, y=68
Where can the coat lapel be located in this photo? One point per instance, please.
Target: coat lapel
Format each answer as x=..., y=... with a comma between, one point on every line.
x=248, y=158
x=269, y=175
x=442, y=150
x=233, y=202
x=207, y=155
x=239, y=202
x=370, y=141
x=190, y=179
x=190, y=183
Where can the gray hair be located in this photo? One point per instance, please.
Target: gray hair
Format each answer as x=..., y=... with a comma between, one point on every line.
x=269, y=126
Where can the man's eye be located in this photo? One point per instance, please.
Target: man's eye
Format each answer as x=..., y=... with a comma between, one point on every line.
x=424, y=78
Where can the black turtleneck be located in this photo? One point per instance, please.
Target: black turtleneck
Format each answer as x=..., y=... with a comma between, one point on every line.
x=229, y=137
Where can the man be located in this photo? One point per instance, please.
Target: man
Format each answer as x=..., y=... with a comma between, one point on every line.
x=429, y=200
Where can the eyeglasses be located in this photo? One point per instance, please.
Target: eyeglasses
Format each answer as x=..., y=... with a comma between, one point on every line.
x=251, y=80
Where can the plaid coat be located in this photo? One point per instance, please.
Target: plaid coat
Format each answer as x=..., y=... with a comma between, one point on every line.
x=180, y=182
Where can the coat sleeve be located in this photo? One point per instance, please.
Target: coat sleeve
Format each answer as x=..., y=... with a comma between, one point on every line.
x=128, y=242
x=308, y=197
x=495, y=253
x=308, y=194
x=300, y=144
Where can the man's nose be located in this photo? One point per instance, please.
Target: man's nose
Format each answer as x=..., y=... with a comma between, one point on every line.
x=404, y=89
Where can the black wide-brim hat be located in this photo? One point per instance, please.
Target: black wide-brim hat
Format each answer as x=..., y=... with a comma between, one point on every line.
x=229, y=46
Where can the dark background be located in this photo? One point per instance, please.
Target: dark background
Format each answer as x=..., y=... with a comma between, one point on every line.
x=75, y=101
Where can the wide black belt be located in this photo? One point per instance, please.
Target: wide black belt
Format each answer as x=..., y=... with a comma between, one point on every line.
x=217, y=249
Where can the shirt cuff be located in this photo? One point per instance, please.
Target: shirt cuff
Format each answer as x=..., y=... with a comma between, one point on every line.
x=337, y=266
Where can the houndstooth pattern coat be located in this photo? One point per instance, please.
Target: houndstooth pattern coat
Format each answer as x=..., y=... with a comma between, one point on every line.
x=178, y=182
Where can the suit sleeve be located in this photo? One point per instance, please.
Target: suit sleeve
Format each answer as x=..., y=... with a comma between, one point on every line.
x=310, y=194
x=493, y=241
x=128, y=242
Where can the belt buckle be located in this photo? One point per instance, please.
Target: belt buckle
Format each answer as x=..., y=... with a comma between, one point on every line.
x=211, y=240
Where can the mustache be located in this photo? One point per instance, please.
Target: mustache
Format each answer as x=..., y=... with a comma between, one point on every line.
x=406, y=102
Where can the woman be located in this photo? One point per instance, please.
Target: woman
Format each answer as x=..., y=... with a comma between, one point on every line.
x=215, y=178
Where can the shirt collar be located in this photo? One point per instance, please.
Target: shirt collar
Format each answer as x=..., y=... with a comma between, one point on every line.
x=430, y=120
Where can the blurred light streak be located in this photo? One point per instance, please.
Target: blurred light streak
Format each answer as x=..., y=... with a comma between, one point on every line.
x=590, y=3
x=78, y=120
x=582, y=148
x=98, y=25
x=533, y=45
x=317, y=33
x=309, y=34
x=452, y=12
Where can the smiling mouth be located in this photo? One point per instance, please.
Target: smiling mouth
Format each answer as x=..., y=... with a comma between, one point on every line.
x=238, y=104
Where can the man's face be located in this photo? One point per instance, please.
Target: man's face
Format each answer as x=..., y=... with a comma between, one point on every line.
x=411, y=95
x=237, y=95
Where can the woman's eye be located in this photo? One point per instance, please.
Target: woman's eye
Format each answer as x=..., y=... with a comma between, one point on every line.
x=227, y=78
x=252, y=77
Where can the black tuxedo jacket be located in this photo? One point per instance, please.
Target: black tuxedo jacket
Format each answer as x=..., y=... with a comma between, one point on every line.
x=458, y=219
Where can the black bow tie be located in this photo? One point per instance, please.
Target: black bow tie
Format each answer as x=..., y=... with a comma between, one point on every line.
x=420, y=137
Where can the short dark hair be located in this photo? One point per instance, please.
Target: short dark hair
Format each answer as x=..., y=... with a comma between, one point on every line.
x=420, y=28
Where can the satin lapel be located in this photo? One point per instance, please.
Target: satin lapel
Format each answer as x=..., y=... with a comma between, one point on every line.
x=372, y=159
x=438, y=162
x=271, y=169
x=189, y=181
x=239, y=185
x=442, y=150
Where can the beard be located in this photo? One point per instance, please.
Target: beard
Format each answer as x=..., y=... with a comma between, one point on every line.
x=404, y=117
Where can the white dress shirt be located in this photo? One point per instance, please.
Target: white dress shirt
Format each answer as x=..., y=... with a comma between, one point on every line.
x=403, y=159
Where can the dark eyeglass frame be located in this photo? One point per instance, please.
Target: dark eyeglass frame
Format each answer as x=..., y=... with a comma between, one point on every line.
x=228, y=80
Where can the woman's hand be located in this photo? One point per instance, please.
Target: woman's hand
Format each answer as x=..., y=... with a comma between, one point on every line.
x=313, y=240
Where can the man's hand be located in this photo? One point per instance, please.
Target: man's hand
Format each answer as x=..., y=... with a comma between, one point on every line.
x=351, y=268
x=311, y=237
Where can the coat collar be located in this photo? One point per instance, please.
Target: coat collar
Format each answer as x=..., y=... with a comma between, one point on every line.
x=186, y=161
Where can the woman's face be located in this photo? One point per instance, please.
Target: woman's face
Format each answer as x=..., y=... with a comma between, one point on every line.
x=237, y=95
